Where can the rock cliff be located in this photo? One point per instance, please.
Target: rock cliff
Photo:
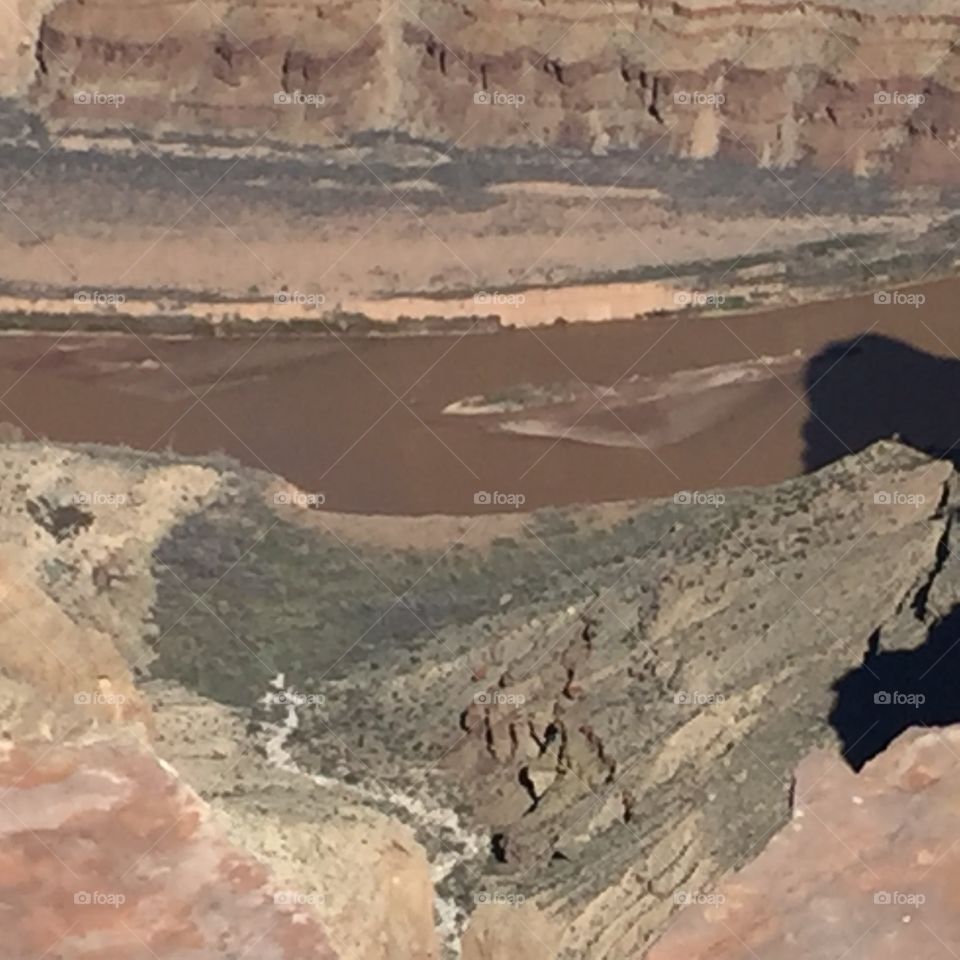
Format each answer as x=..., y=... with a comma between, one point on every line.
x=869, y=88
x=572, y=722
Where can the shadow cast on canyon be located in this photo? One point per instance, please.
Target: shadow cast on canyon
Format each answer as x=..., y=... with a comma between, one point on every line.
x=874, y=387
x=894, y=690
x=860, y=391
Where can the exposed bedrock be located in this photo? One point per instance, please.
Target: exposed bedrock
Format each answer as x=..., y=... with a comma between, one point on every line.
x=577, y=721
x=851, y=86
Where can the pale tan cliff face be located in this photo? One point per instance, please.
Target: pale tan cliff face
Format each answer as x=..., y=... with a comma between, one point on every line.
x=857, y=87
x=64, y=677
x=502, y=932
x=20, y=22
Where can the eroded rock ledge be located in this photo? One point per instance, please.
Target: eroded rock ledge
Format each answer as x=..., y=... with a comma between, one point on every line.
x=853, y=86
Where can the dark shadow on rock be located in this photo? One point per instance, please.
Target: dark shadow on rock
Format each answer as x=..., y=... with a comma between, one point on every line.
x=868, y=389
x=895, y=690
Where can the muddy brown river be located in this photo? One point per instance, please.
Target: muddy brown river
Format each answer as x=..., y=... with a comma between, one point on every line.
x=550, y=416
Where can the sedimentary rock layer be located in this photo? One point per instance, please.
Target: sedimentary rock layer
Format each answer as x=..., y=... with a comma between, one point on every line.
x=582, y=718
x=854, y=86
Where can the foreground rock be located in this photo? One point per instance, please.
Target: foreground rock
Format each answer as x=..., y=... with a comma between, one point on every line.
x=867, y=868
x=106, y=854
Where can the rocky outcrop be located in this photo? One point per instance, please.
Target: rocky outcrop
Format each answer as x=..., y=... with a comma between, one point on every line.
x=568, y=723
x=106, y=853
x=633, y=735
x=869, y=860
x=575, y=712
x=501, y=931
x=21, y=22
x=71, y=677
x=86, y=532
x=851, y=86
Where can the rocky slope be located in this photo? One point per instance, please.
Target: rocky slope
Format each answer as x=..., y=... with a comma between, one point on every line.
x=867, y=866
x=557, y=726
x=862, y=87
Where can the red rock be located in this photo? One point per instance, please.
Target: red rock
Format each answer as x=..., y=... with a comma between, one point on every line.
x=869, y=867
x=105, y=854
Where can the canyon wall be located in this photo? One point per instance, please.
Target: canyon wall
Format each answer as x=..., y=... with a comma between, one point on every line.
x=859, y=87
x=569, y=725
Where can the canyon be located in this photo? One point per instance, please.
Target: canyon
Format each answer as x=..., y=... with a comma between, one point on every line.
x=554, y=731
x=478, y=479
